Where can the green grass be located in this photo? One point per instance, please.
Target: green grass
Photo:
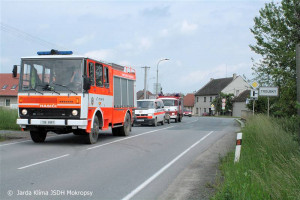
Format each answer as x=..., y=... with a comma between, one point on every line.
x=269, y=166
x=8, y=119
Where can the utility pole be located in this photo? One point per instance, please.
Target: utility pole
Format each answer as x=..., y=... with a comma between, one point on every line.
x=145, y=82
x=298, y=77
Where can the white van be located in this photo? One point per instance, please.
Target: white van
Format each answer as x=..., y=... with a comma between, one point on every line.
x=149, y=111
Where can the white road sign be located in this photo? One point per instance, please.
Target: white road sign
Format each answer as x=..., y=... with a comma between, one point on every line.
x=254, y=94
x=268, y=91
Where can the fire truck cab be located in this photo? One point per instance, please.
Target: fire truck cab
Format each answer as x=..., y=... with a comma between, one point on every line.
x=64, y=93
x=173, y=106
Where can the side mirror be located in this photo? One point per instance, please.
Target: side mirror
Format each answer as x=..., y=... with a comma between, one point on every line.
x=15, y=71
x=86, y=83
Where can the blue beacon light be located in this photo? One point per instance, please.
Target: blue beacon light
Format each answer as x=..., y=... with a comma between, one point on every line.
x=54, y=52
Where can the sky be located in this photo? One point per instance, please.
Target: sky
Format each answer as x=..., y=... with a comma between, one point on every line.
x=201, y=39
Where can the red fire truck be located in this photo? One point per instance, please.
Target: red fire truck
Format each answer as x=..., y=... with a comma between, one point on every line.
x=64, y=93
x=173, y=106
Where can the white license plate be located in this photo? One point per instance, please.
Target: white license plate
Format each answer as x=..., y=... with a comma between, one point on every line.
x=139, y=120
x=47, y=122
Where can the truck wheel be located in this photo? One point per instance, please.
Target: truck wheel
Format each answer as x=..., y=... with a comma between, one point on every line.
x=179, y=118
x=155, y=122
x=38, y=136
x=163, y=122
x=125, y=129
x=93, y=135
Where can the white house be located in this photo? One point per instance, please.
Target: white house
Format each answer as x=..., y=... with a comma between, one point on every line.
x=204, y=97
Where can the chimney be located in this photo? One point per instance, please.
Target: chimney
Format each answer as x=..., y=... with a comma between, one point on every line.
x=234, y=76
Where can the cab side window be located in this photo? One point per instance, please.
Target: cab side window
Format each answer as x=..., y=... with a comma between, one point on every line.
x=106, y=77
x=92, y=73
x=99, y=75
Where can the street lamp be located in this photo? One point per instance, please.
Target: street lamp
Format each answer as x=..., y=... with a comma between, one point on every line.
x=157, y=73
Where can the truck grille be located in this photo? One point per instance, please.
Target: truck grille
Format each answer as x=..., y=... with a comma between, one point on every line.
x=46, y=113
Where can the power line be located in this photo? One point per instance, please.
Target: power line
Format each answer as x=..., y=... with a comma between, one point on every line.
x=28, y=37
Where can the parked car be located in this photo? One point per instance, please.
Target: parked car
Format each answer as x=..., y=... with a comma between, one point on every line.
x=187, y=113
x=149, y=111
x=205, y=114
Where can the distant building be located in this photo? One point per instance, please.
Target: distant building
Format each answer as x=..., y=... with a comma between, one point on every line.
x=140, y=95
x=239, y=104
x=204, y=97
x=8, y=90
x=189, y=101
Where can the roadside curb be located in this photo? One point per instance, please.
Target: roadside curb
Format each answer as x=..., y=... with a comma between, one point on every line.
x=10, y=131
x=242, y=124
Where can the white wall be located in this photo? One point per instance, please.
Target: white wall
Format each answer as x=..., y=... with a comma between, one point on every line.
x=237, y=109
x=236, y=87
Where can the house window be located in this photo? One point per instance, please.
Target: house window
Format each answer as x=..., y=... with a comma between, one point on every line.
x=197, y=99
x=7, y=102
x=204, y=110
x=13, y=87
x=210, y=99
x=204, y=99
x=4, y=87
x=196, y=110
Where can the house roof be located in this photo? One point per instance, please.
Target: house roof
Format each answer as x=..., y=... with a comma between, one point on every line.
x=140, y=94
x=214, y=87
x=242, y=97
x=7, y=84
x=189, y=100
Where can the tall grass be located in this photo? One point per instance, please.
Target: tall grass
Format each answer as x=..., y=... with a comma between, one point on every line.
x=8, y=119
x=269, y=166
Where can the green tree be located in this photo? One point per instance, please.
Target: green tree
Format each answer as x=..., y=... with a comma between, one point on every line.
x=218, y=103
x=277, y=31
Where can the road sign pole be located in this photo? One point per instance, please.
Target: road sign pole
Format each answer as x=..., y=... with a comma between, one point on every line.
x=298, y=77
x=253, y=106
x=268, y=106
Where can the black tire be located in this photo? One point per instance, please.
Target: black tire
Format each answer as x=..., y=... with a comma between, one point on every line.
x=116, y=131
x=163, y=121
x=125, y=129
x=92, y=137
x=155, y=122
x=38, y=136
x=179, y=118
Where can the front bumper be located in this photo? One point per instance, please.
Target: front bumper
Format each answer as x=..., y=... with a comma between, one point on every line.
x=143, y=121
x=81, y=124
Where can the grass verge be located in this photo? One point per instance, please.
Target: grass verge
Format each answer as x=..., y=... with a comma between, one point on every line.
x=8, y=119
x=269, y=166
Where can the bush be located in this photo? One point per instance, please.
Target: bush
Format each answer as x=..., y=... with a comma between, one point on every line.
x=269, y=164
x=8, y=119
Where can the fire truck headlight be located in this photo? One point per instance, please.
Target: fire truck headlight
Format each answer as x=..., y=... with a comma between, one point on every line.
x=150, y=114
x=74, y=112
x=24, y=112
x=173, y=113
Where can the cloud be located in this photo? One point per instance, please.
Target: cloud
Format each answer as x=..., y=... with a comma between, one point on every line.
x=187, y=27
x=159, y=11
x=103, y=54
x=164, y=32
x=144, y=43
x=84, y=39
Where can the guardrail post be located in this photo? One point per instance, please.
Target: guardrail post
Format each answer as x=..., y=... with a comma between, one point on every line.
x=238, y=147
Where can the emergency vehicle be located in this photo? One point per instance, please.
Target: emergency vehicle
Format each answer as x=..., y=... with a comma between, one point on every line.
x=173, y=106
x=149, y=111
x=65, y=93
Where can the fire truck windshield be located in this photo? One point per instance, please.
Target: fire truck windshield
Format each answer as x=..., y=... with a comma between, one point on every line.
x=51, y=75
x=170, y=102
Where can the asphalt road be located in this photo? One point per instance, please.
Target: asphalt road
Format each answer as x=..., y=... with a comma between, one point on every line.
x=140, y=166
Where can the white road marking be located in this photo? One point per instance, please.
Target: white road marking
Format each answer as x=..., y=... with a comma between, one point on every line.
x=154, y=176
x=191, y=121
x=43, y=161
x=27, y=140
x=101, y=145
